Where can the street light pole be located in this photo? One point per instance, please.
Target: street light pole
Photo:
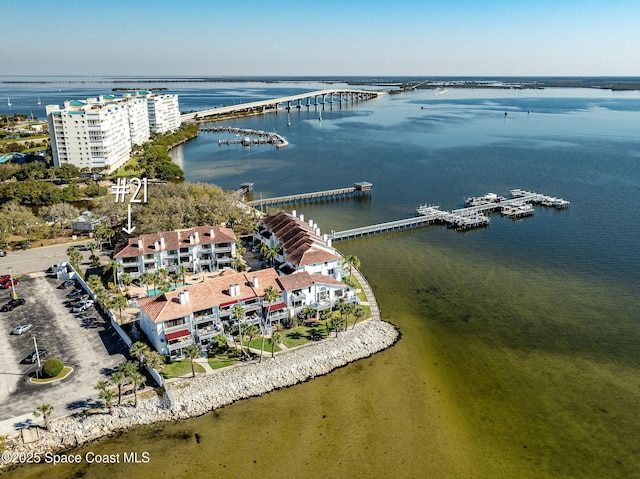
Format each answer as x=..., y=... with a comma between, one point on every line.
x=35, y=343
x=13, y=287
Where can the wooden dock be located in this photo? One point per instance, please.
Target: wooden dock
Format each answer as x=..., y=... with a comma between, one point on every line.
x=358, y=188
x=519, y=205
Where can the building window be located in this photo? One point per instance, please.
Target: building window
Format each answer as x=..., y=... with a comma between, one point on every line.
x=174, y=322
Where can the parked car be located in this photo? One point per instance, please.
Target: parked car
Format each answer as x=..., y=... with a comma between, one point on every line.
x=82, y=306
x=2, y=253
x=12, y=304
x=22, y=328
x=74, y=293
x=33, y=357
x=66, y=284
x=7, y=284
x=77, y=300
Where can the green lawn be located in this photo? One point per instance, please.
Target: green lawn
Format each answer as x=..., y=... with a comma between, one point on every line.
x=304, y=334
x=222, y=360
x=179, y=368
x=257, y=343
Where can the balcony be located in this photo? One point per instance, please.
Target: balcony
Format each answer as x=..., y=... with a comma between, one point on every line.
x=180, y=343
x=209, y=332
x=206, y=317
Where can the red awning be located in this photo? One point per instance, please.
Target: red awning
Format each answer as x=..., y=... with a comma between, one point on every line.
x=228, y=303
x=178, y=334
x=277, y=306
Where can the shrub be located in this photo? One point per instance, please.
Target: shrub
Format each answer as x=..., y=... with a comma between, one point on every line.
x=52, y=367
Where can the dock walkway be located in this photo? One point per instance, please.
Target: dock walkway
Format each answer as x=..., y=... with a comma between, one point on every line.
x=357, y=188
x=461, y=218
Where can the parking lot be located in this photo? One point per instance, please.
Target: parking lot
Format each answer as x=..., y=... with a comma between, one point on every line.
x=83, y=341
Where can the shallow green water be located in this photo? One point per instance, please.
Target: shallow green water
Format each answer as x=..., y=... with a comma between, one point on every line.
x=501, y=371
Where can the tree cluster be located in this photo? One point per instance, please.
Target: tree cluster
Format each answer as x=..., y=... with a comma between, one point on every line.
x=174, y=206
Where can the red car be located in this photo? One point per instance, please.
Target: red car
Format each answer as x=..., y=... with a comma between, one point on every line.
x=7, y=283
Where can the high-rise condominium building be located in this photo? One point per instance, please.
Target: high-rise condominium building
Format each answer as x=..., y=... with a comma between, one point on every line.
x=99, y=132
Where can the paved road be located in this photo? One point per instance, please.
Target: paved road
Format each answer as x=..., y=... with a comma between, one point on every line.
x=37, y=259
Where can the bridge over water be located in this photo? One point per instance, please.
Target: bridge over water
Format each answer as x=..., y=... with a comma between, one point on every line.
x=314, y=98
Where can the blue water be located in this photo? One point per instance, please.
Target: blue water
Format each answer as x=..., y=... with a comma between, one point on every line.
x=424, y=148
x=525, y=334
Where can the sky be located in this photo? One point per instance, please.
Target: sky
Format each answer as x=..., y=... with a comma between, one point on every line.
x=321, y=38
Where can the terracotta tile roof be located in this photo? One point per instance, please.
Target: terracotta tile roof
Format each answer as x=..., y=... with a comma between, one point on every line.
x=175, y=240
x=301, y=245
x=208, y=294
x=295, y=281
x=303, y=279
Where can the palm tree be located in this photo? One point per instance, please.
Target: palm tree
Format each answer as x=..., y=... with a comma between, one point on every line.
x=253, y=227
x=135, y=379
x=235, y=263
x=119, y=302
x=345, y=309
x=251, y=331
x=119, y=378
x=102, y=385
x=238, y=312
x=183, y=270
x=112, y=268
x=325, y=314
x=276, y=338
x=109, y=233
x=126, y=279
x=139, y=350
x=354, y=262
x=338, y=322
x=107, y=397
x=270, y=296
x=45, y=411
x=263, y=249
x=92, y=246
x=175, y=279
x=75, y=256
x=358, y=314
x=154, y=359
x=192, y=352
x=95, y=260
x=308, y=312
x=146, y=279
x=163, y=273
x=272, y=253
x=240, y=249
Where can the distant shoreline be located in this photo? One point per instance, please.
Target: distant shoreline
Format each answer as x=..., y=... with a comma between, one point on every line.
x=400, y=82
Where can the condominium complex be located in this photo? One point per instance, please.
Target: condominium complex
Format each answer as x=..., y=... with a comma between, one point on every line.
x=299, y=245
x=203, y=248
x=100, y=132
x=197, y=313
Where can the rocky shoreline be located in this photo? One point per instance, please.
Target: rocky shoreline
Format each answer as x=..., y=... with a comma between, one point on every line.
x=199, y=395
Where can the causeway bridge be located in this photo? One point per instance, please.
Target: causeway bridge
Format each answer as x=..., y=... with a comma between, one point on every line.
x=314, y=98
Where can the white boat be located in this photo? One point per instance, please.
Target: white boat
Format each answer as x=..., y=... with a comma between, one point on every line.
x=8, y=101
x=517, y=210
x=483, y=200
x=39, y=102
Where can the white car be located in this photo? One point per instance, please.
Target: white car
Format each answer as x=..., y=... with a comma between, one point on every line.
x=22, y=328
x=82, y=306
